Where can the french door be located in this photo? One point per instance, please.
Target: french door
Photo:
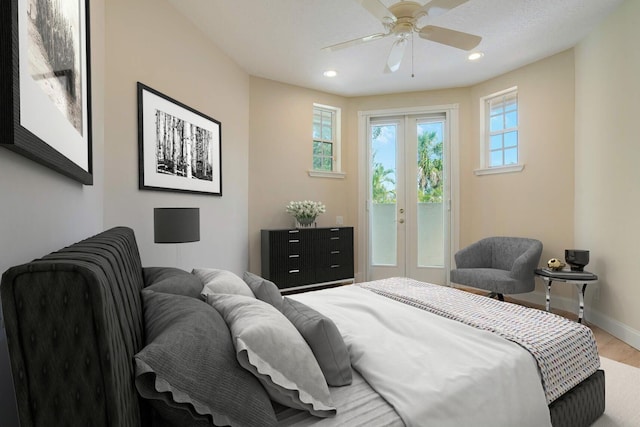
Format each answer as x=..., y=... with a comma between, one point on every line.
x=408, y=208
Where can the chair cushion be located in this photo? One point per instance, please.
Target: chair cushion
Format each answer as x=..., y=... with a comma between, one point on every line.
x=491, y=279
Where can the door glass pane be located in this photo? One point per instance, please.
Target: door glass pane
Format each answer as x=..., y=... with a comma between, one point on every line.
x=383, y=194
x=430, y=191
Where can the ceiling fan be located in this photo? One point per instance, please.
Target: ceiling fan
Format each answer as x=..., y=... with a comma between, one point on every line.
x=400, y=20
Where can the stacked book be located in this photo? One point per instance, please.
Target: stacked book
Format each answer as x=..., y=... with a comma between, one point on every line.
x=566, y=274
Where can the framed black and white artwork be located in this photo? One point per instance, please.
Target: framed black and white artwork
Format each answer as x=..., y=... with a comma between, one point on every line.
x=179, y=147
x=45, y=113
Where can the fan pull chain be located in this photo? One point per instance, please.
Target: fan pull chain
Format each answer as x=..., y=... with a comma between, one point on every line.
x=412, y=75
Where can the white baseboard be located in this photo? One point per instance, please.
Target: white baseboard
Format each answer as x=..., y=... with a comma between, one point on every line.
x=617, y=329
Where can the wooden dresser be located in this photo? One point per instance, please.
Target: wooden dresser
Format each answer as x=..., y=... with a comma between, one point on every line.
x=307, y=257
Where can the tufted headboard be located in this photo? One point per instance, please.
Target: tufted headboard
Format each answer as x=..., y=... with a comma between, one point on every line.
x=74, y=321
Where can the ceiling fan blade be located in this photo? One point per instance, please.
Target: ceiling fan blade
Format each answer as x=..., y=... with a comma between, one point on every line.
x=377, y=9
x=354, y=42
x=396, y=55
x=453, y=38
x=438, y=7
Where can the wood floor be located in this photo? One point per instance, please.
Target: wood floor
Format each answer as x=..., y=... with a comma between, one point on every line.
x=608, y=345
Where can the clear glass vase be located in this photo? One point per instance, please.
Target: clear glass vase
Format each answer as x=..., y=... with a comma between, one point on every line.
x=305, y=222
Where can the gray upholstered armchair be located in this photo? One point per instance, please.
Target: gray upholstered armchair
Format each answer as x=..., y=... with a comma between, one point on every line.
x=501, y=265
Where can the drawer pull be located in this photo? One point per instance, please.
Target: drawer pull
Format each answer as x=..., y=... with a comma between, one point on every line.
x=294, y=271
x=335, y=229
x=294, y=231
x=335, y=252
x=294, y=241
x=335, y=238
x=294, y=256
x=335, y=265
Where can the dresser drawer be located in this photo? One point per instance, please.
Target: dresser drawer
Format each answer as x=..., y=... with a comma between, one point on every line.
x=307, y=256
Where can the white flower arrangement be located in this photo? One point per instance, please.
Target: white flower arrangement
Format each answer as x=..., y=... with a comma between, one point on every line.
x=305, y=210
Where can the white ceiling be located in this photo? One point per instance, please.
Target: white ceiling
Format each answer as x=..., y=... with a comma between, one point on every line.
x=282, y=40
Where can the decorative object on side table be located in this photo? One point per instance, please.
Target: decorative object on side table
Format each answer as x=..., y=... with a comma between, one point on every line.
x=576, y=258
x=45, y=113
x=555, y=264
x=305, y=212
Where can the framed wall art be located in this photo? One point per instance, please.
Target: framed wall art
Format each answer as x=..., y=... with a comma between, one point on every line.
x=179, y=147
x=45, y=112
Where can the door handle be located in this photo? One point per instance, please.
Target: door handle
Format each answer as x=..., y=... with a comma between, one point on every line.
x=401, y=220
x=401, y=210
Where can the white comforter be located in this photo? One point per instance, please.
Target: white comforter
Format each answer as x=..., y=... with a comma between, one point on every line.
x=434, y=371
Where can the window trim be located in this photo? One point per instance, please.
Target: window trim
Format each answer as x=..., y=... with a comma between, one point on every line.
x=337, y=146
x=485, y=169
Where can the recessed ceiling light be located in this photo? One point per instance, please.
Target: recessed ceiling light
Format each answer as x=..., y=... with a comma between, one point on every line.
x=330, y=73
x=475, y=56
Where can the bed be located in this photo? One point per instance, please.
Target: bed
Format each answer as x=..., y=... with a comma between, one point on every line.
x=89, y=331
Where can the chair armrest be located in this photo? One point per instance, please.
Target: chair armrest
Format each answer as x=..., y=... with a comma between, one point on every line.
x=476, y=255
x=525, y=265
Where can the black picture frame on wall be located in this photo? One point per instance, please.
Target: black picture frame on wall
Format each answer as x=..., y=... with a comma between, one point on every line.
x=179, y=148
x=45, y=84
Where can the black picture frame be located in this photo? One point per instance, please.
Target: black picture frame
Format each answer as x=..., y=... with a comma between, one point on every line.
x=179, y=148
x=45, y=107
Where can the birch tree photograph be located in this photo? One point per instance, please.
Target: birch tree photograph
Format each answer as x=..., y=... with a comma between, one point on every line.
x=184, y=149
x=180, y=148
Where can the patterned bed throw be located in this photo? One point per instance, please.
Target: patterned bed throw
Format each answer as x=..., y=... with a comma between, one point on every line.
x=565, y=351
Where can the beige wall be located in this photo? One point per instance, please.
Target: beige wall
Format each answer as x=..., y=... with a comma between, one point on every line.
x=168, y=54
x=506, y=204
x=280, y=156
x=607, y=198
x=537, y=202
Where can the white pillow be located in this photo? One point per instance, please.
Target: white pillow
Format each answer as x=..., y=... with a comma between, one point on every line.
x=221, y=282
x=272, y=349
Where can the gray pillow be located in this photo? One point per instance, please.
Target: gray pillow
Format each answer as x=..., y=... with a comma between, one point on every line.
x=325, y=341
x=271, y=348
x=221, y=282
x=264, y=290
x=188, y=368
x=172, y=281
